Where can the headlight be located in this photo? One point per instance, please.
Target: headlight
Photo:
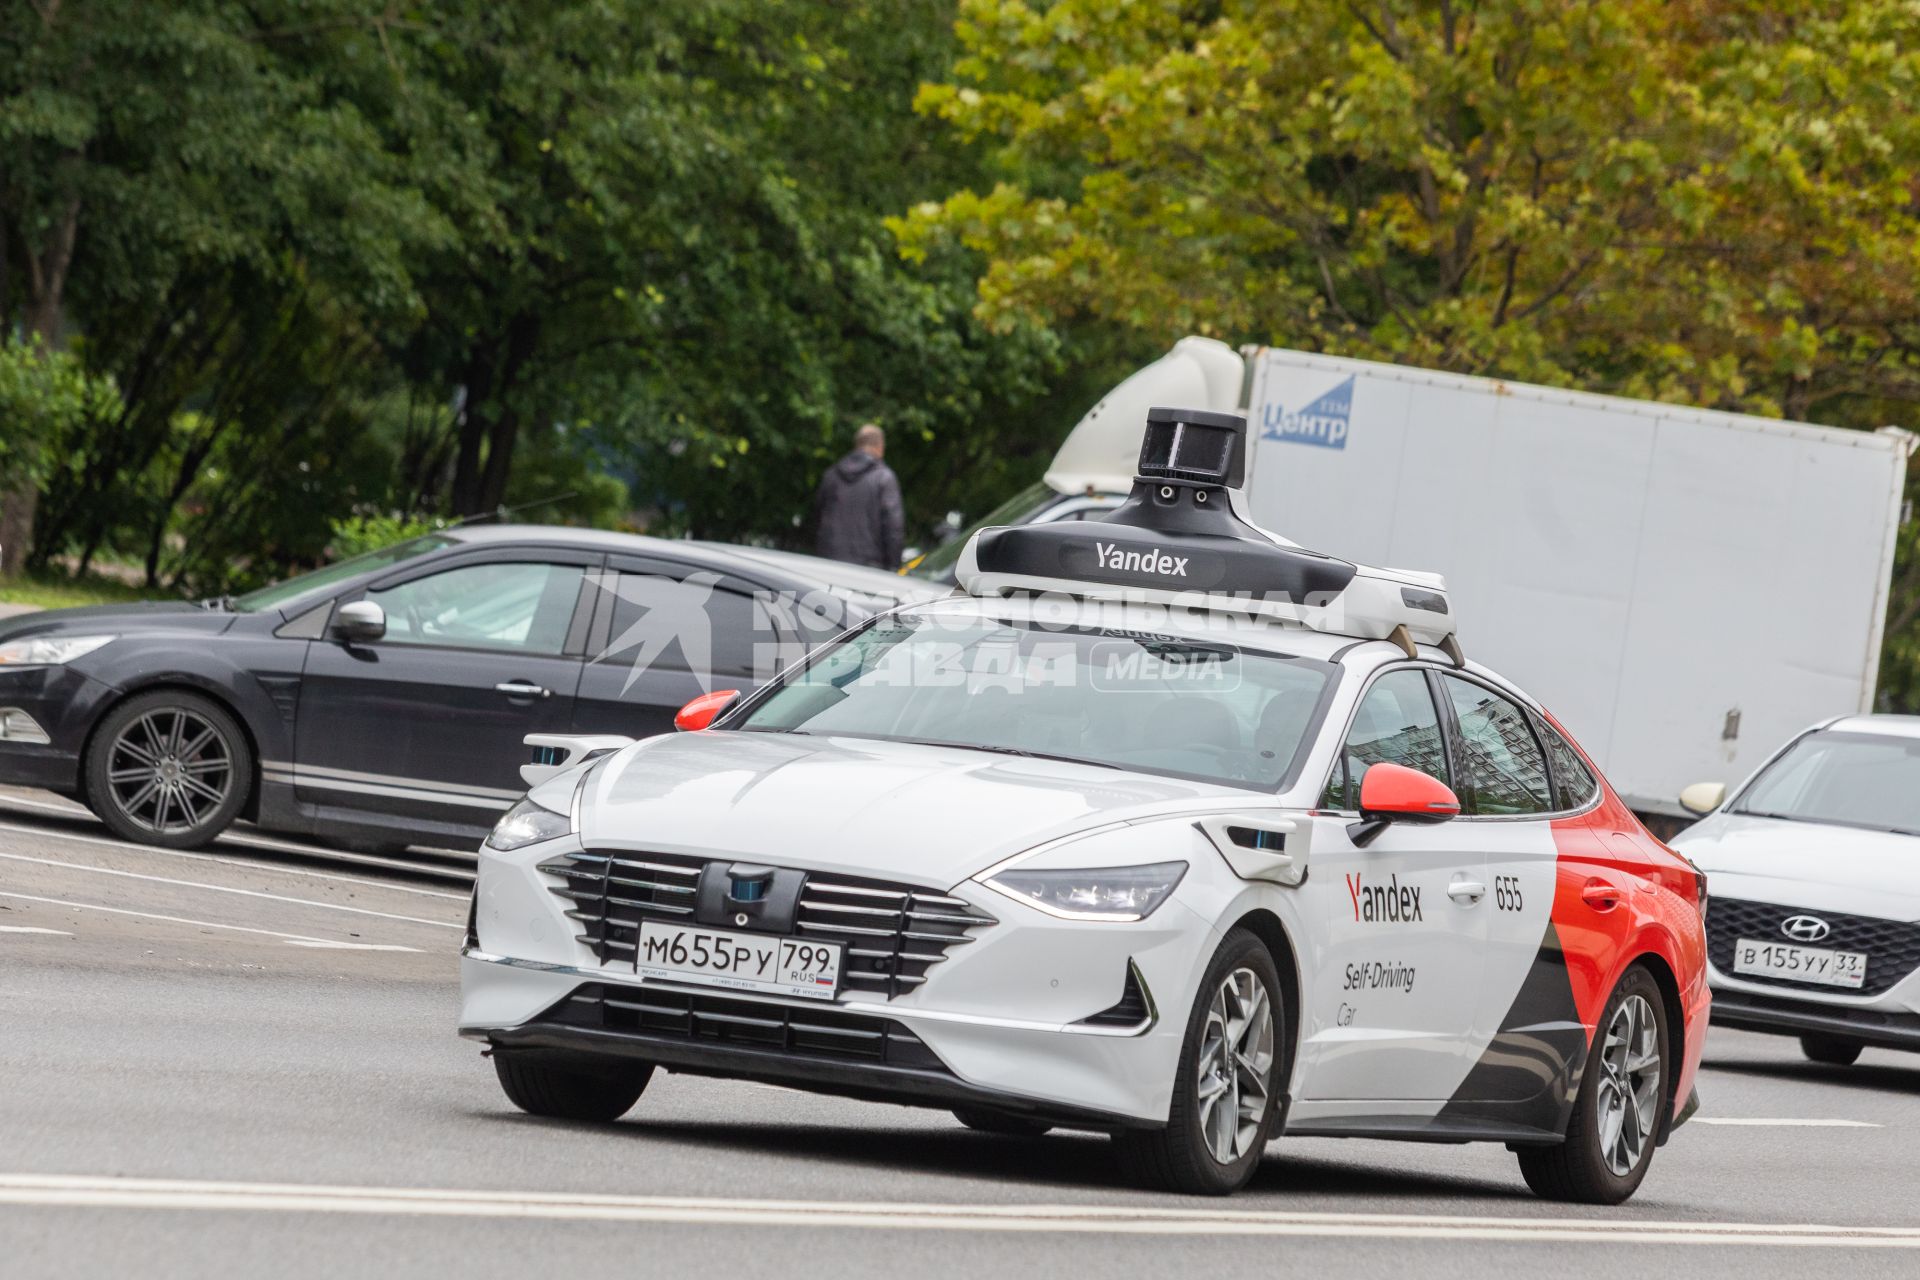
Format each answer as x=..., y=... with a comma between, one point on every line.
x=1100, y=893
x=48, y=651
x=528, y=823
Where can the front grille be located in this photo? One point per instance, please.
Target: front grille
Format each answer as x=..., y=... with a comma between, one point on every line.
x=826, y=1032
x=1892, y=947
x=894, y=933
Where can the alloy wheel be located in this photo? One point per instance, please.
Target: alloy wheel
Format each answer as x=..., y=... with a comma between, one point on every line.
x=169, y=769
x=1236, y=1058
x=1628, y=1099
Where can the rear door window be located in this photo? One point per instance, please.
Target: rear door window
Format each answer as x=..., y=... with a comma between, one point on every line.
x=1503, y=771
x=1574, y=785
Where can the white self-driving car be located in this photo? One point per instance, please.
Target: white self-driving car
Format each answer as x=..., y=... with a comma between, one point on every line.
x=1814, y=867
x=1166, y=828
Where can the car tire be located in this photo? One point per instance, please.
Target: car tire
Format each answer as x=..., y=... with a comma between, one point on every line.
x=1830, y=1051
x=168, y=768
x=563, y=1089
x=998, y=1122
x=1203, y=1150
x=1599, y=1163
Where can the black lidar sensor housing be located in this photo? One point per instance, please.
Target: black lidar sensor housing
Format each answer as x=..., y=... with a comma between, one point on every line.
x=1177, y=529
x=1194, y=446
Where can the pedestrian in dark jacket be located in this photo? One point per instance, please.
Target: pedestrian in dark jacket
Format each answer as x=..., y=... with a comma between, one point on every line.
x=857, y=514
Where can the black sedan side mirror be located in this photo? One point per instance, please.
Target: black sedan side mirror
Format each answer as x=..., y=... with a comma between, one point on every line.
x=362, y=621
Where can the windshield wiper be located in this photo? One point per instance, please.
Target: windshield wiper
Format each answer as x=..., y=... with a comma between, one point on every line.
x=221, y=604
x=1022, y=752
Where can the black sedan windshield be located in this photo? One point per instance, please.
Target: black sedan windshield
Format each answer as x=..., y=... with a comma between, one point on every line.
x=1124, y=699
x=293, y=588
x=1849, y=779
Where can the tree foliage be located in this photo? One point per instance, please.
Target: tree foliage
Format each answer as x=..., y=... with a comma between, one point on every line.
x=346, y=255
x=1709, y=201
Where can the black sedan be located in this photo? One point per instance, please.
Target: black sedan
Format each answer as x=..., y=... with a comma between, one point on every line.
x=383, y=701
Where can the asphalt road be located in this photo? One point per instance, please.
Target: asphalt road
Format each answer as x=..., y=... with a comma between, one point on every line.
x=242, y=1063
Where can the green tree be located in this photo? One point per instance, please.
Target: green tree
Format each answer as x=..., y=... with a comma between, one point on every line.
x=1704, y=202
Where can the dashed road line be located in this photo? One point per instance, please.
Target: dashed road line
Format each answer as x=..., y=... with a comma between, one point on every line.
x=153, y=915
x=1759, y=1122
x=27, y=928
x=222, y=888
x=246, y=863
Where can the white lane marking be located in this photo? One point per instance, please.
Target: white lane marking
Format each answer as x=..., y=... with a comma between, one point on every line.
x=27, y=928
x=250, y=864
x=227, y=837
x=163, y=1193
x=1759, y=1122
x=348, y=946
x=151, y=915
x=222, y=888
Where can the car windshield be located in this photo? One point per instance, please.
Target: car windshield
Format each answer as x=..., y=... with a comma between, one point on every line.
x=293, y=588
x=938, y=563
x=1848, y=779
x=1123, y=699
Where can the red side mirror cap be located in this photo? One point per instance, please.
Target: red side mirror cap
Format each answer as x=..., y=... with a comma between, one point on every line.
x=704, y=710
x=1393, y=791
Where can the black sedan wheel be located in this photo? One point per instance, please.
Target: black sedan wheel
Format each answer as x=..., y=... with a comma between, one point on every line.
x=168, y=768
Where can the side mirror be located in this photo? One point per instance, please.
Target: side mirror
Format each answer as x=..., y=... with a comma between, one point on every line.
x=1703, y=797
x=362, y=621
x=704, y=710
x=1392, y=793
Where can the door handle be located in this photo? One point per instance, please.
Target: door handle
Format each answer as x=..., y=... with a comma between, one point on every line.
x=1600, y=895
x=1466, y=891
x=522, y=689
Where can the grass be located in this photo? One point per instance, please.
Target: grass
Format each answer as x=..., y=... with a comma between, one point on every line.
x=55, y=591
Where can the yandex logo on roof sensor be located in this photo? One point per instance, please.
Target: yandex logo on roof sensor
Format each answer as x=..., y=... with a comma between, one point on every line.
x=1152, y=560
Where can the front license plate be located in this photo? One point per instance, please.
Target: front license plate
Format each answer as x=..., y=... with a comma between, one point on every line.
x=1800, y=964
x=738, y=961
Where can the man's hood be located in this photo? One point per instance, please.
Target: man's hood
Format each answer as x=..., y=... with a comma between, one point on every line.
x=1806, y=864
x=899, y=811
x=855, y=465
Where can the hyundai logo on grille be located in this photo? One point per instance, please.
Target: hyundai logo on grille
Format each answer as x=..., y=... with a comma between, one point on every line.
x=1805, y=928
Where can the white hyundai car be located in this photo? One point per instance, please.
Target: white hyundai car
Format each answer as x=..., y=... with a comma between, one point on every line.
x=1166, y=828
x=1814, y=865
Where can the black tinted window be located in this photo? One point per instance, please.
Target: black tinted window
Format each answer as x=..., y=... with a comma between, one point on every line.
x=690, y=624
x=1396, y=723
x=1502, y=769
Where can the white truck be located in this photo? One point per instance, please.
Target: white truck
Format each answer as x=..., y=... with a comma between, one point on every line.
x=1685, y=589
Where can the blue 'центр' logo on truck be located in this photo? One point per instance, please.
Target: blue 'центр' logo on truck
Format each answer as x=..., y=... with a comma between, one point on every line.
x=1320, y=422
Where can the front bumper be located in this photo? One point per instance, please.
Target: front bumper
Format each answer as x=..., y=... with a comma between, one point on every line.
x=1784, y=1016
x=824, y=1050
x=65, y=704
x=1002, y=1021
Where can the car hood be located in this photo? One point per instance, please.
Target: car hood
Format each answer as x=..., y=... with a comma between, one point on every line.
x=900, y=811
x=117, y=619
x=1806, y=864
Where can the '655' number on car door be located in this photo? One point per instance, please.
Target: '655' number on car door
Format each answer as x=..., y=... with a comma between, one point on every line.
x=741, y=961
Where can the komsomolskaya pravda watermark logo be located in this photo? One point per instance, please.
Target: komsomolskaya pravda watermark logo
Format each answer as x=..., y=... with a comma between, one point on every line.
x=1112, y=645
